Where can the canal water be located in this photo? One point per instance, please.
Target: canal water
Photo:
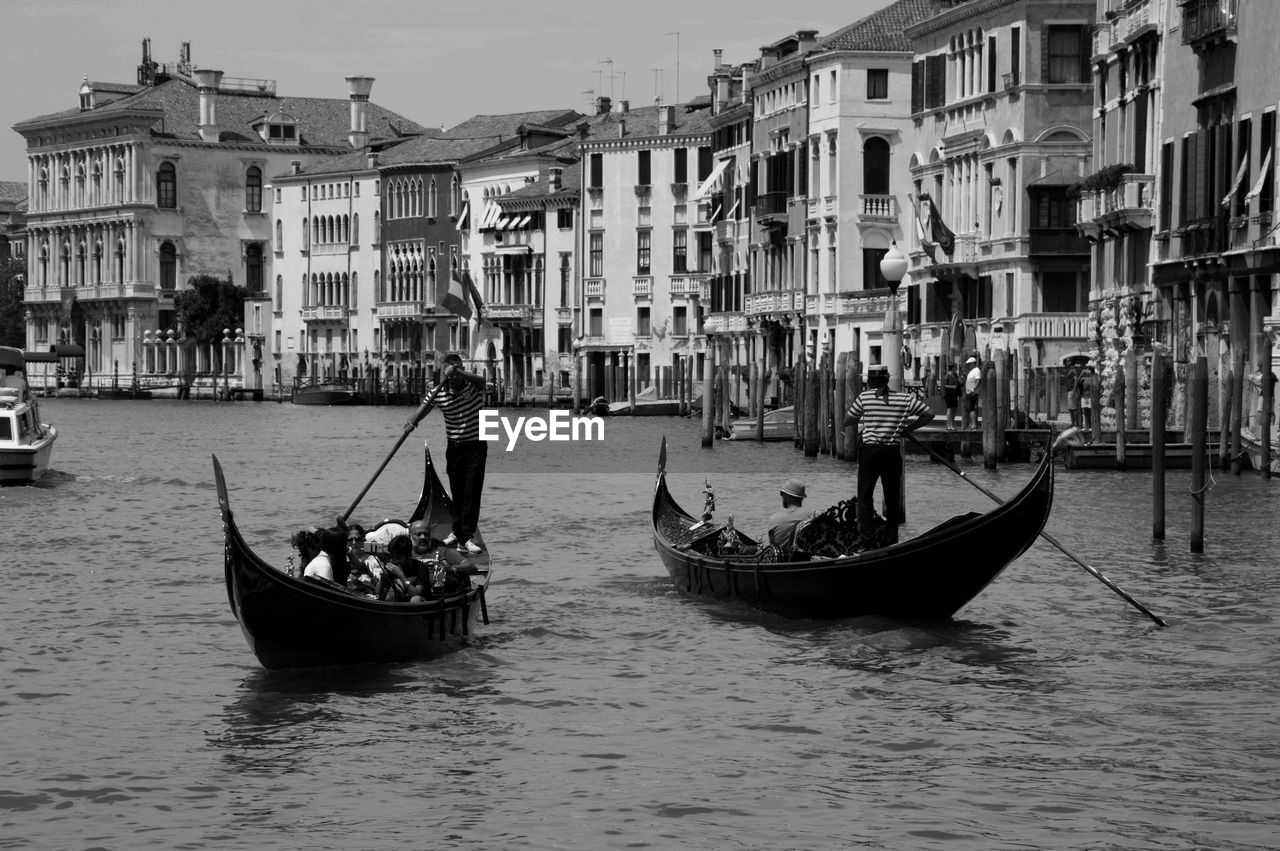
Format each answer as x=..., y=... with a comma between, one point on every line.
x=601, y=709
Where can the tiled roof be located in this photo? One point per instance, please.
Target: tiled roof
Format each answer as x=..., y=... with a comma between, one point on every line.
x=644, y=122
x=115, y=88
x=472, y=137
x=570, y=184
x=882, y=30
x=12, y=192
x=322, y=122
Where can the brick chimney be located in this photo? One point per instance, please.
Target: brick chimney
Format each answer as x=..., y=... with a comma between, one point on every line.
x=207, y=83
x=554, y=175
x=603, y=105
x=666, y=120
x=358, y=89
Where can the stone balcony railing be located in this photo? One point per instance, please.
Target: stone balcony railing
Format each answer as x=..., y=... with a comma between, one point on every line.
x=642, y=286
x=323, y=248
x=324, y=313
x=594, y=287
x=399, y=310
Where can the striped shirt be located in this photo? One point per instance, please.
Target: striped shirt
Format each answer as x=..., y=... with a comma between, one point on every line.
x=461, y=409
x=884, y=421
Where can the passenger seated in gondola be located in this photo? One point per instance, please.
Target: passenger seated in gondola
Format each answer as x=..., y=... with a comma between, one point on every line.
x=365, y=569
x=379, y=537
x=783, y=524
x=396, y=584
x=330, y=556
x=427, y=554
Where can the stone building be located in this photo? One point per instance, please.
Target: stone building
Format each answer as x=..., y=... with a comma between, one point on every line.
x=146, y=184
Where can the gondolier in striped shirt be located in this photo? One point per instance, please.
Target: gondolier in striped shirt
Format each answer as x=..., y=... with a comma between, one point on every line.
x=460, y=398
x=885, y=416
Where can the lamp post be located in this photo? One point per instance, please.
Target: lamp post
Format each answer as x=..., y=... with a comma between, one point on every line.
x=893, y=266
x=226, y=363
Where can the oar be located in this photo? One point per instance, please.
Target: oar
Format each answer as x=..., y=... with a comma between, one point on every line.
x=1065, y=436
x=427, y=405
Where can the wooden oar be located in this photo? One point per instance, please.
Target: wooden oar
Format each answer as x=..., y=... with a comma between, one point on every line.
x=1065, y=436
x=423, y=410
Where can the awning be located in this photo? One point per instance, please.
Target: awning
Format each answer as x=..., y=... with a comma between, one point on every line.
x=462, y=217
x=502, y=223
x=524, y=220
x=1264, y=174
x=67, y=350
x=706, y=185
x=491, y=214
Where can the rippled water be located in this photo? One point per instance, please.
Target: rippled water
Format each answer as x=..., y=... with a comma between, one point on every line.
x=600, y=709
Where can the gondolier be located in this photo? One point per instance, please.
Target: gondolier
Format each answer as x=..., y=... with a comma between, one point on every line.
x=459, y=397
x=886, y=416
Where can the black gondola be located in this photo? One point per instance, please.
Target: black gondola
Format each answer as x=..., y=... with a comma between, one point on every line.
x=292, y=622
x=923, y=578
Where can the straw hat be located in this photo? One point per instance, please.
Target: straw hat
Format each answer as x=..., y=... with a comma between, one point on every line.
x=793, y=488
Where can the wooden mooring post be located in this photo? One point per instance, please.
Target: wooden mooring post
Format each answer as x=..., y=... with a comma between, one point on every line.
x=708, y=395
x=1199, y=422
x=839, y=404
x=1118, y=397
x=1158, y=414
x=1268, y=400
x=987, y=407
x=812, y=399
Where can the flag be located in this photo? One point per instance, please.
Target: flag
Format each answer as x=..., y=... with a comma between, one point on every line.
x=477, y=303
x=922, y=235
x=938, y=230
x=455, y=299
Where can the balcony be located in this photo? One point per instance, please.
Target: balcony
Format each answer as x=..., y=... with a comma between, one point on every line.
x=1011, y=81
x=325, y=313
x=771, y=204
x=1053, y=326
x=642, y=287
x=878, y=208
x=726, y=230
x=321, y=249
x=131, y=289
x=594, y=287
x=393, y=310
x=784, y=301
x=1057, y=242
x=867, y=304
x=1207, y=22
x=564, y=315
x=1204, y=236
x=515, y=313
x=681, y=285
x=1126, y=207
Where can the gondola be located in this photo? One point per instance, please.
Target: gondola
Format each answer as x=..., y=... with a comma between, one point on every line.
x=923, y=578
x=293, y=622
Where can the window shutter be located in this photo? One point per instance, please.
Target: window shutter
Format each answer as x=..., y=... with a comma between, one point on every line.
x=917, y=87
x=991, y=63
x=1044, y=54
x=1086, y=51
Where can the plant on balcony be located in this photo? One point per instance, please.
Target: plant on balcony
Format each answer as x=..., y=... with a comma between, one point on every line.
x=13, y=330
x=1103, y=180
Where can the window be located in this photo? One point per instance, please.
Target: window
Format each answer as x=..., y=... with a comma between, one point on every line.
x=679, y=321
x=875, y=167
x=705, y=239
x=566, y=273
x=643, y=239
x=877, y=83
x=642, y=321
x=816, y=88
x=831, y=89
x=872, y=279
x=564, y=218
x=1055, y=210
x=253, y=190
x=681, y=159
x=279, y=293
x=642, y=168
x=167, y=186
x=680, y=251
x=168, y=266
x=355, y=228
x=1068, y=59
x=597, y=172
x=253, y=268
x=595, y=322
x=644, y=216
x=704, y=163
x=597, y=255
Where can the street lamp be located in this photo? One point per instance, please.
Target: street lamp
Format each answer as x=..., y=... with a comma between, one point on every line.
x=893, y=266
x=226, y=363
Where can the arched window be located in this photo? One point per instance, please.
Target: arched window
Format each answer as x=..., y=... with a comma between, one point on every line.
x=253, y=190
x=120, y=255
x=279, y=235
x=80, y=185
x=306, y=235
x=66, y=264
x=253, y=267
x=81, y=264
x=431, y=279
x=96, y=198
x=64, y=194
x=346, y=228
x=97, y=262
x=377, y=227
x=455, y=196
x=355, y=229
x=44, y=189
x=306, y=292
x=875, y=167
x=279, y=292
x=44, y=265
x=119, y=175
x=377, y=286
x=355, y=290
x=432, y=211
x=315, y=230
x=168, y=266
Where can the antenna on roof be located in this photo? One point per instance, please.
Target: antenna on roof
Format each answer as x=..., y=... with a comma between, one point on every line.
x=677, y=35
x=657, y=86
x=608, y=62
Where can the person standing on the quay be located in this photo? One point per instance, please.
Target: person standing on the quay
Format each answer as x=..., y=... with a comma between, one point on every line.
x=886, y=416
x=1088, y=381
x=459, y=397
x=972, y=383
x=951, y=387
x=1073, y=397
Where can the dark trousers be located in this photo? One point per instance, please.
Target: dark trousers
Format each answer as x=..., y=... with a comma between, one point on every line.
x=465, y=461
x=883, y=462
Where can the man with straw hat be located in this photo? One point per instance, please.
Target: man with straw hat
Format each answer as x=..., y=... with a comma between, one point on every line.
x=782, y=525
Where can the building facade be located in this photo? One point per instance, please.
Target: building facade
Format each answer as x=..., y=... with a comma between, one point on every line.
x=146, y=185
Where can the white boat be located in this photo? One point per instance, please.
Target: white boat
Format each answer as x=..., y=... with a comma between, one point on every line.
x=25, y=443
x=779, y=424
